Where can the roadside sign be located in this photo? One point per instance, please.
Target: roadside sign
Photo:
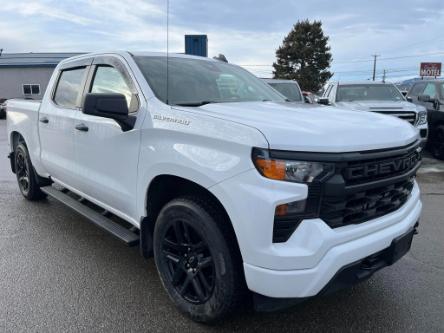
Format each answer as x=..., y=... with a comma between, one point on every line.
x=430, y=69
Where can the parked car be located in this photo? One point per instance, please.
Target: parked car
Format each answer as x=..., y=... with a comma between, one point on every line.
x=289, y=88
x=309, y=97
x=430, y=95
x=378, y=97
x=236, y=194
x=2, y=108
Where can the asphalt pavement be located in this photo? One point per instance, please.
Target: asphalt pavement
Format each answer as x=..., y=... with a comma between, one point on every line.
x=59, y=273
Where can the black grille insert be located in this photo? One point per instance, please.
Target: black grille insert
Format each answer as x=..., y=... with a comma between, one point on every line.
x=365, y=205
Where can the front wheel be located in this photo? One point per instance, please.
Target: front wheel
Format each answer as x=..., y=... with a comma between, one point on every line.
x=197, y=263
x=26, y=177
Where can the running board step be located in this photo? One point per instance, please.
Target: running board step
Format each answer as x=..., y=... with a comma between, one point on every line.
x=115, y=229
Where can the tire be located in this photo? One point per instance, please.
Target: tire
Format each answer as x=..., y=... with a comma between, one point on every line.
x=198, y=259
x=437, y=147
x=26, y=176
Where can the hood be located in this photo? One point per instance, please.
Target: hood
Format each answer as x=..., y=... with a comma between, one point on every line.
x=379, y=106
x=311, y=127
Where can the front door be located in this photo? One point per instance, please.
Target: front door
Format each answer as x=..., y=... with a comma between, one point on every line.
x=106, y=155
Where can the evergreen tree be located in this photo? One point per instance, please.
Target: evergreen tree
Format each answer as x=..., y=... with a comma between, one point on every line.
x=304, y=56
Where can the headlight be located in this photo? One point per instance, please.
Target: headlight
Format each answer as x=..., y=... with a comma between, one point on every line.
x=293, y=171
x=422, y=118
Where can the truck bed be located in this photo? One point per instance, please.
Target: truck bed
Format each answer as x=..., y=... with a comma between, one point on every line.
x=23, y=105
x=22, y=117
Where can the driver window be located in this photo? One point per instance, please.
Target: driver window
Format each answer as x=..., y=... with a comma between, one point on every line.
x=430, y=90
x=108, y=80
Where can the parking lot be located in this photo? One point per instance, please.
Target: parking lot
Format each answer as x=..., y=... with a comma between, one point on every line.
x=59, y=273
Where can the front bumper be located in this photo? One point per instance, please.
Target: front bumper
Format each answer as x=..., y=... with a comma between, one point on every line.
x=309, y=282
x=348, y=275
x=304, y=265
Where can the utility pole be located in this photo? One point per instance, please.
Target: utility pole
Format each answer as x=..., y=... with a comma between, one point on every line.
x=383, y=75
x=374, y=65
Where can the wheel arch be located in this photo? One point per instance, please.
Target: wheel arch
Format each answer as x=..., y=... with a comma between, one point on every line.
x=164, y=188
x=15, y=139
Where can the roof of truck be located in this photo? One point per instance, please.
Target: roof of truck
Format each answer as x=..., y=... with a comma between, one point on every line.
x=141, y=54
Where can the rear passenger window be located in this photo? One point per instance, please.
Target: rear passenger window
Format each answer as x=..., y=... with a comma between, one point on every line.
x=69, y=87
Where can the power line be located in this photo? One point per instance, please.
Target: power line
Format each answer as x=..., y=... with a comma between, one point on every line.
x=362, y=60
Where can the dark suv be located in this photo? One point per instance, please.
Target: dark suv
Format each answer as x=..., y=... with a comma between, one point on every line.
x=2, y=108
x=430, y=94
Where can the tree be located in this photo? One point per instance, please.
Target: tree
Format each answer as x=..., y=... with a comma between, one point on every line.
x=304, y=56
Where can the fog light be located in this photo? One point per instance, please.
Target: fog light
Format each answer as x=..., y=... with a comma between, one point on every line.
x=291, y=208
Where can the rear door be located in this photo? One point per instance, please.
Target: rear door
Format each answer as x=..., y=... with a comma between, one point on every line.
x=56, y=121
x=107, y=157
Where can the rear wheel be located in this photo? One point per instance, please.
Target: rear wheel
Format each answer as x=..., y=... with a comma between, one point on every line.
x=199, y=267
x=26, y=176
x=438, y=144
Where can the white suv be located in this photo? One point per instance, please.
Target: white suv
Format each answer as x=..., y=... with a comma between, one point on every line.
x=378, y=97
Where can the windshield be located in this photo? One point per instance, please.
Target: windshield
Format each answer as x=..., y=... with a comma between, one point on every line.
x=196, y=82
x=368, y=92
x=288, y=89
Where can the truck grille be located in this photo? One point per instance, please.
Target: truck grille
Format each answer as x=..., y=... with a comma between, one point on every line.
x=370, y=188
x=359, y=186
x=407, y=116
x=365, y=205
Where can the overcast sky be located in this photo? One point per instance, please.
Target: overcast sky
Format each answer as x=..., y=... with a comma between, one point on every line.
x=246, y=31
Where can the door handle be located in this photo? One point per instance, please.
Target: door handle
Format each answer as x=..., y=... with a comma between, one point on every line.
x=82, y=127
x=44, y=120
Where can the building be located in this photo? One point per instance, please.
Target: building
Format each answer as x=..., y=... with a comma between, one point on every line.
x=26, y=75
x=196, y=45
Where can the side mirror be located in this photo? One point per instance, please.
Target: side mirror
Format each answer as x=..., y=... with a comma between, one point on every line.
x=113, y=106
x=425, y=99
x=324, y=101
x=409, y=99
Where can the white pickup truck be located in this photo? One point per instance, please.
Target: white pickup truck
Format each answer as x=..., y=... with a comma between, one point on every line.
x=238, y=195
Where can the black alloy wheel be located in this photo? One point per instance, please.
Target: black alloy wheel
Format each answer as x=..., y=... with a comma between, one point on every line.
x=22, y=171
x=26, y=176
x=189, y=262
x=198, y=259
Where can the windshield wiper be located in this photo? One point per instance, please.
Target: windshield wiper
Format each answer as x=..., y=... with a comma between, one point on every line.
x=201, y=103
